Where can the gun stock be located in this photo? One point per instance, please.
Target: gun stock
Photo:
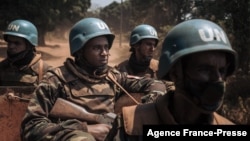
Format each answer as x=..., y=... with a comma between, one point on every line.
x=67, y=110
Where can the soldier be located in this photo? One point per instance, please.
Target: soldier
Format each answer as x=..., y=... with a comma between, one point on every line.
x=143, y=42
x=20, y=73
x=85, y=80
x=23, y=65
x=198, y=58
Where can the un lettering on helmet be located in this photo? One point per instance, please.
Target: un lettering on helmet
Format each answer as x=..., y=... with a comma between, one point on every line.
x=13, y=27
x=212, y=34
x=102, y=25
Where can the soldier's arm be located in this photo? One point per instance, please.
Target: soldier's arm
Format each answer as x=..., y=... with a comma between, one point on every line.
x=148, y=86
x=37, y=125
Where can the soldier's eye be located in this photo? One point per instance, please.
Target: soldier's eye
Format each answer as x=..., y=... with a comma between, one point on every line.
x=17, y=43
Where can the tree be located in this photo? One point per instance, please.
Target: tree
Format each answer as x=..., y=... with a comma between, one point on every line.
x=45, y=14
x=233, y=16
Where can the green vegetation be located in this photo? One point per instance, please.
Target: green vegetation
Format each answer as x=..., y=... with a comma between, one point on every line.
x=47, y=15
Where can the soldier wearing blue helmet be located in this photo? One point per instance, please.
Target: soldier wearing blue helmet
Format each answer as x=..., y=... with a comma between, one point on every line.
x=86, y=80
x=23, y=65
x=143, y=42
x=20, y=73
x=197, y=56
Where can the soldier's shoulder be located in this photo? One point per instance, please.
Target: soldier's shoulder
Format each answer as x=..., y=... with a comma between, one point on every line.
x=55, y=72
x=116, y=72
x=124, y=66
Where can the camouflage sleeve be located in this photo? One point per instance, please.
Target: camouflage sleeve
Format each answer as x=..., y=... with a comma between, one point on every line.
x=151, y=88
x=37, y=125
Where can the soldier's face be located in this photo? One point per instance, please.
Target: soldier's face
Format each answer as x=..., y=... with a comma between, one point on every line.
x=205, y=75
x=146, y=49
x=96, y=51
x=15, y=44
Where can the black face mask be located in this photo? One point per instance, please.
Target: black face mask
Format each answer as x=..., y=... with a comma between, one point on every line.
x=208, y=96
x=21, y=59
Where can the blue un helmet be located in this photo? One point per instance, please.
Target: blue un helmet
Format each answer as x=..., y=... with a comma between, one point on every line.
x=23, y=29
x=86, y=29
x=194, y=36
x=143, y=31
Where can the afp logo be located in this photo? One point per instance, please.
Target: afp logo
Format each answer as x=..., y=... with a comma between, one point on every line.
x=211, y=34
x=13, y=27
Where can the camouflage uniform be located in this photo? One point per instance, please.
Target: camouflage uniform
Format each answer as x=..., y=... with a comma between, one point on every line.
x=29, y=75
x=144, y=71
x=94, y=93
x=132, y=68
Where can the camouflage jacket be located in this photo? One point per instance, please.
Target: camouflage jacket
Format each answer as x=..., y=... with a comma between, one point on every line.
x=94, y=93
x=29, y=75
x=150, y=71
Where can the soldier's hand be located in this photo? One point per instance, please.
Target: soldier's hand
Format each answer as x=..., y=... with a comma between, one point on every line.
x=150, y=98
x=99, y=131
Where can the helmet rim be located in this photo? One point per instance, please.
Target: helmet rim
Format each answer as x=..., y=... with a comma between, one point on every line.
x=178, y=44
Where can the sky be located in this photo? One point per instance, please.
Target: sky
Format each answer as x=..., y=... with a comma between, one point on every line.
x=101, y=3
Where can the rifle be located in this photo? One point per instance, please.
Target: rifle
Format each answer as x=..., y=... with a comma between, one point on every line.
x=67, y=110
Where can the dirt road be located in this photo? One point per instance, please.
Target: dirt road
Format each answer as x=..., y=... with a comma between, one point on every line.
x=56, y=52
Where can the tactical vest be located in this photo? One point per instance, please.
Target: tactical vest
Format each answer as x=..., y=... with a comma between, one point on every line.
x=96, y=97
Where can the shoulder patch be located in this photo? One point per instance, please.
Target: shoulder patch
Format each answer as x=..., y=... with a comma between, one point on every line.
x=133, y=76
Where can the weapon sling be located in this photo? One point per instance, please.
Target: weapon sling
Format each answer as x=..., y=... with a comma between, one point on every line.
x=111, y=77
